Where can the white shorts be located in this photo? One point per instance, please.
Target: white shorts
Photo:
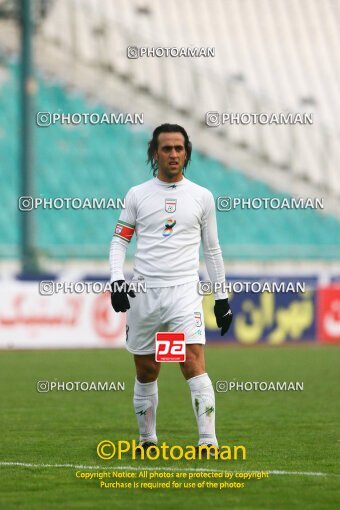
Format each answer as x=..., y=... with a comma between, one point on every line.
x=177, y=308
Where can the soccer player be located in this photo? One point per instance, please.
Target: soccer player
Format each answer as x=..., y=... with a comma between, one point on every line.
x=170, y=216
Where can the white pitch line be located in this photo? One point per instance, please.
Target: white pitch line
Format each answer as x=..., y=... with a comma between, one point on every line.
x=159, y=468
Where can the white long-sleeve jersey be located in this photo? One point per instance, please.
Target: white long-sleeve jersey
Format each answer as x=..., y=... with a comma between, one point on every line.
x=169, y=220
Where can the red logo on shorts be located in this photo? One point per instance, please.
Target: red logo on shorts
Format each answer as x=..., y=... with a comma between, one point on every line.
x=170, y=346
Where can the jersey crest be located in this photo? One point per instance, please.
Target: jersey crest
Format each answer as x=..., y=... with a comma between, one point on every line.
x=170, y=205
x=198, y=319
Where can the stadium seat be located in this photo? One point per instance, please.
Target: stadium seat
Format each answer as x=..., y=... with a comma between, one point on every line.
x=97, y=161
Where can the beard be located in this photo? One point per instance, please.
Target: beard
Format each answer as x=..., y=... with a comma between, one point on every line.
x=169, y=171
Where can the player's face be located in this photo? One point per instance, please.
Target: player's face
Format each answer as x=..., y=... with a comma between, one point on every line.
x=171, y=156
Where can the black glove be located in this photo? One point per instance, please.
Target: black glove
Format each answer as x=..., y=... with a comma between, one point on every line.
x=223, y=314
x=119, y=296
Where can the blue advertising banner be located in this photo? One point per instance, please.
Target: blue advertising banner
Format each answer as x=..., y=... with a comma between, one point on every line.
x=264, y=317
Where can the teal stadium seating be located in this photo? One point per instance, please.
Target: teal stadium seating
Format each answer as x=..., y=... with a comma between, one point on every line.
x=105, y=161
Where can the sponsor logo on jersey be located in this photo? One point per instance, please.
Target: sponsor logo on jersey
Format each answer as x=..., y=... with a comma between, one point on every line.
x=169, y=225
x=198, y=319
x=170, y=205
x=124, y=230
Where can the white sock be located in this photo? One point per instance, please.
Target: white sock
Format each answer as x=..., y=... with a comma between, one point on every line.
x=145, y=401
x=203, y=401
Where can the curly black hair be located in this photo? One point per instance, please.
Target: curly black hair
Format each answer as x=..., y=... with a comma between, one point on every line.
x=153, y=144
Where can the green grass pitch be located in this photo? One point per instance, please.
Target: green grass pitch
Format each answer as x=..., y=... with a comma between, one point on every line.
x=282, y=431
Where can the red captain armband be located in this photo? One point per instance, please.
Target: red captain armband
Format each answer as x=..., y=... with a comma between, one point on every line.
x=124, y=230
